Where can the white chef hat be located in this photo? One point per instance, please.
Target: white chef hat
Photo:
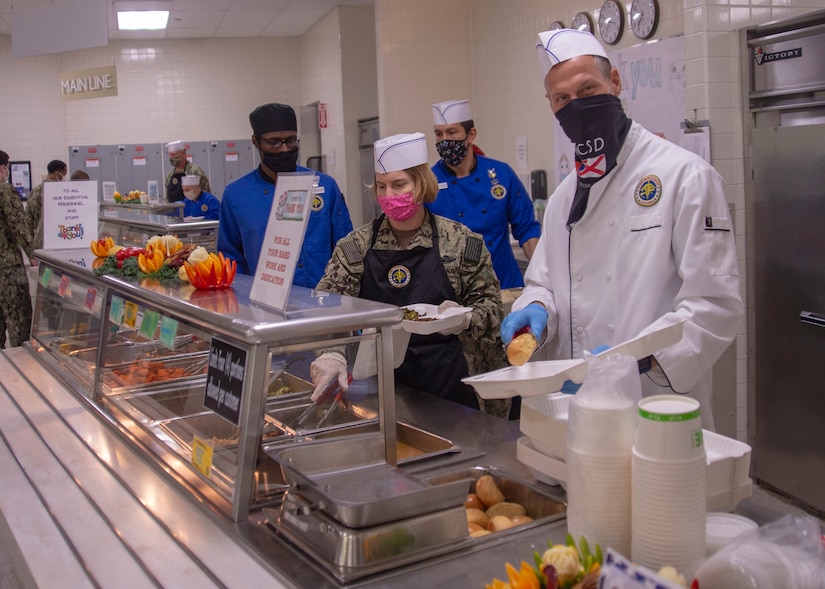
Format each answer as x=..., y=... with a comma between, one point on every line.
x=452, y=111
x=400, y=152
x=554, y=47
x=175, y=146
x=190, y=180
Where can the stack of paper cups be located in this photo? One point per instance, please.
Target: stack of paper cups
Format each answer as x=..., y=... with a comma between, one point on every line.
x=599, y=472
x=669, y=485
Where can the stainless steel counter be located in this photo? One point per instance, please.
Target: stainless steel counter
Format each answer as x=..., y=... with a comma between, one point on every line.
x=83, y=507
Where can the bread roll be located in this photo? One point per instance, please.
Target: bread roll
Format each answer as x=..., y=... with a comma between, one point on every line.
x=508, y=510
x=479, y=533
x=521, y=348
x=499, y=523
x=476, y=516
x=474, y=501
x=488, y=491
x=521, y=519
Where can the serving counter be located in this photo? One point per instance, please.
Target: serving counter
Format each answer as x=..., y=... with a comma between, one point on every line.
x=111, y=439
x=132, y=224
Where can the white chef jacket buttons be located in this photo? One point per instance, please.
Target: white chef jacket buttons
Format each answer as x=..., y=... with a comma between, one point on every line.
x=610, y=328
x=579, y=277
x=580, y=329
x=611, y=222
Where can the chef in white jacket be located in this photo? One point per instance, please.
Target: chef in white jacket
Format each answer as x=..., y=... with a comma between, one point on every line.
x=639, y=239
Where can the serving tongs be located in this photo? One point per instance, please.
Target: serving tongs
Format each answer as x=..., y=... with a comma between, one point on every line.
x=333, y=389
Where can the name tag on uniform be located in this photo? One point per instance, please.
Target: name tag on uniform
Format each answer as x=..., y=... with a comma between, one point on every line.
x=442, y=185
x=318, y=190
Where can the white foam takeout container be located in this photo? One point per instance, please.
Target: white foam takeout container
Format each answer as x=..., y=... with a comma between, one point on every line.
x=447, y=319
x=539, y=378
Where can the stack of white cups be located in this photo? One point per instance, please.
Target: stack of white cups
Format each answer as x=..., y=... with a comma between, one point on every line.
x=599, y=471
x=669, y=485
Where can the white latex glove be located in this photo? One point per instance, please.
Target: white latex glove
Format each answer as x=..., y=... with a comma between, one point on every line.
x=325, y=369
x=465, y=323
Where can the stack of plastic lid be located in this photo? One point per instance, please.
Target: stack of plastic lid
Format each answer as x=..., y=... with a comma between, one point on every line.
x=598, y=472
x=669, y=485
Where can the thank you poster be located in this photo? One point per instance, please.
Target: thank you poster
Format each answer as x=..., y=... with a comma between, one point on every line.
x=288, y=218
x=69, y=214
x=224, y=380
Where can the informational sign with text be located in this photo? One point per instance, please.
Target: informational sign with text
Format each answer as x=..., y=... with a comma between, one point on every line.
x=288, y=218
x=69, y=214
x=224, y=380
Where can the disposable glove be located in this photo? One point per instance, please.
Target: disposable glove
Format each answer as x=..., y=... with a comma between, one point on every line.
x=533, y=316
x=571, y=388
x=324, y=370
x=465, y=319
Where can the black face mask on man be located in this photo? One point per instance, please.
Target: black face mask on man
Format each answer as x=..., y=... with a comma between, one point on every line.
x=280, y=161
x=452, y=151
x=597, y=126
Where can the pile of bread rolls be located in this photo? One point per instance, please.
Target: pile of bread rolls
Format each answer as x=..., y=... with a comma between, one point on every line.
x=488, y=511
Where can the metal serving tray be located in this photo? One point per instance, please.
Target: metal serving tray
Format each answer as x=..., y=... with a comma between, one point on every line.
x=368, y=547
x=286, y=410
x=349, y=479
x=194, y=368
x=214, y=430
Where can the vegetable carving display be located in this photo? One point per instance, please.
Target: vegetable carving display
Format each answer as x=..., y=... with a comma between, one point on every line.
x=562, y=566
x=214, y=272
x=164, y=258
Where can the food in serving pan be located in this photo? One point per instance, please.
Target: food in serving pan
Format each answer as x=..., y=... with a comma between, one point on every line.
x=488, y=510
x=147, y=371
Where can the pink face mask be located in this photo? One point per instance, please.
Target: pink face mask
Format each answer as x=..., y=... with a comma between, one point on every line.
x=398, y=207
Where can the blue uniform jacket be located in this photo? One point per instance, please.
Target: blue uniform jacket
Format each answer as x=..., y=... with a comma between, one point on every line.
x=491, y=201
x=206, y=205
x=244, y=215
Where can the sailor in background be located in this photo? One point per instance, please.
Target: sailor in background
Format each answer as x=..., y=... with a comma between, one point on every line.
x=181, y=167
x=199, y=203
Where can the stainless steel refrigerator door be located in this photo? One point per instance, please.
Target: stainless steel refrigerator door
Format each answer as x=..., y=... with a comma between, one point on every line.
x=789, y=219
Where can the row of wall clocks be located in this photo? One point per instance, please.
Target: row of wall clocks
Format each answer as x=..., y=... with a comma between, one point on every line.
x=643, y=17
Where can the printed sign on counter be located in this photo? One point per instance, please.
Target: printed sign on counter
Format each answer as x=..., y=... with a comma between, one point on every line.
x=109, y=189
x=224, y=380
x=69, y=214
x=284, y=236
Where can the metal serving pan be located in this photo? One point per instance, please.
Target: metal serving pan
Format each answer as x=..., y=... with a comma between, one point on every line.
x=214, y=430
x=349, y=479
x=286, y=410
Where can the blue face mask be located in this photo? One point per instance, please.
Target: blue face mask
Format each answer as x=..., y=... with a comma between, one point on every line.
x=452, y=151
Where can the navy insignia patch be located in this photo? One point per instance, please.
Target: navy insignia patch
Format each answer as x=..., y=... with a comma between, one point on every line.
x=399, y=276
x=491, y=173
x=317, y=202
x=498, y=191
x=204, y=208
x=648, y=191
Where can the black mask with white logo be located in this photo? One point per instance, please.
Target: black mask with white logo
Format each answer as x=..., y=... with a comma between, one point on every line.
x=597, y=126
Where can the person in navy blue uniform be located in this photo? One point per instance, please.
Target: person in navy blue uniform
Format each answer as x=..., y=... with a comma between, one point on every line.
x=247, y=201
x=482, y=193
x=198, y=203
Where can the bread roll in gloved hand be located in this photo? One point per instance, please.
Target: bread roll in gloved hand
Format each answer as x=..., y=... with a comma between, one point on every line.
x=521, y=347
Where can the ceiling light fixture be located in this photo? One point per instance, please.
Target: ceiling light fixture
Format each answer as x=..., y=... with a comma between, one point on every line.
x=142, y=20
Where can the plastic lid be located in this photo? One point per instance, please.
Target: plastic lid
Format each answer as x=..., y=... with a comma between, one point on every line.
x=724, y=527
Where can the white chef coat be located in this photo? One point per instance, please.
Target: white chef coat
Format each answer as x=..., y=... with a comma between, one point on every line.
x=654, y=247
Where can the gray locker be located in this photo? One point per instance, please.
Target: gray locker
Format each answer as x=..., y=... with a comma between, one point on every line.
x=228, y=161
x=137, y=164
x=99, y=161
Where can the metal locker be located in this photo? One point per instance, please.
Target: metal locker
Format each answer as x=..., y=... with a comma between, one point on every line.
x=137, y=164
x=228, y=161
x=99, y=161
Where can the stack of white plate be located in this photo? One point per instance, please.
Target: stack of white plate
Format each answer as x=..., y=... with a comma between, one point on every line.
x=669, y=476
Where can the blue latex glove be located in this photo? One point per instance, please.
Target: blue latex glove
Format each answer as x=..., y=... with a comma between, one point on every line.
x=533, y=316
x=571, y=388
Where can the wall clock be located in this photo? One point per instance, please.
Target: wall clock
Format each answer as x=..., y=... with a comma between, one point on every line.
x=556, y=25
x=583, y=22
x=611, y=22
x=644, y=16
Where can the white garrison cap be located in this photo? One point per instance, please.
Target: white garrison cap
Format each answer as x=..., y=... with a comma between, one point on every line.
x=400, y=152
x=560, y=45
x=175, y=146
x=452, y=111
x=190, y=180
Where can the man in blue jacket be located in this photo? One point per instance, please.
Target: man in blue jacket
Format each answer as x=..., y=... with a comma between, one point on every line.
x=482, y=193
x=247, y=201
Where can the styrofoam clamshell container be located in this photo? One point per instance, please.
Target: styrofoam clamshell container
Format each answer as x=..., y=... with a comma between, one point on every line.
x=546, y=469
x=544, y=421
x=729, y=463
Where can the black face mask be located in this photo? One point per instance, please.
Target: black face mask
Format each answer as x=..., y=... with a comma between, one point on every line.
x=280, y=161
x=597, y=126
x=452, y=151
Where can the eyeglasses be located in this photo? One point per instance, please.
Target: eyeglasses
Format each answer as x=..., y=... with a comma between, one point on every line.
x=290, y=142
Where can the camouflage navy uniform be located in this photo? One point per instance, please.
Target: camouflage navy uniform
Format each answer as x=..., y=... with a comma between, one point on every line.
x=189, y=169
x=475, y=284
x=15, y=300
x=34, y=216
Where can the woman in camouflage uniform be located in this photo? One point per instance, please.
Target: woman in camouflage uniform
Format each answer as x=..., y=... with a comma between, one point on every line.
x=15, y=300
x=408, y=256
